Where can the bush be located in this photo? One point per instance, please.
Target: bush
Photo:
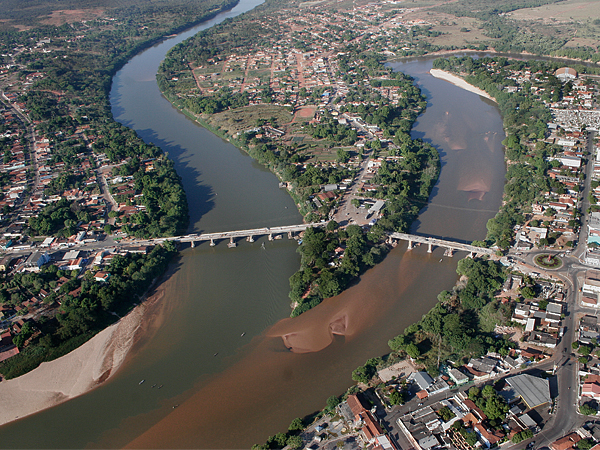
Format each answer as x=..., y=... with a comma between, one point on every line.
x=587, y=410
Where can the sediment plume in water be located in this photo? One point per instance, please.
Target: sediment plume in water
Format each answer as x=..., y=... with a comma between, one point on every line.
x=296, y=354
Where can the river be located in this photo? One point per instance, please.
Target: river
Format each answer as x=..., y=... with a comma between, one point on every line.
x=254, y=386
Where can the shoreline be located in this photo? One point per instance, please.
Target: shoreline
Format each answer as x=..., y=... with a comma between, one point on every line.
x=77, y=372
x=459, y=82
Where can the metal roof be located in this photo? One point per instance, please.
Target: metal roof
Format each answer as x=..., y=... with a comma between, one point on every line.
x=533, y=390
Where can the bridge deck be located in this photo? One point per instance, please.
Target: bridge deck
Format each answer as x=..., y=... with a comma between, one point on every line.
x=442, y=243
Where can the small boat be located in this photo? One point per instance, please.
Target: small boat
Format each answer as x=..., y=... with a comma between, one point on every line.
x=153, y=385
x=441, y=259
x=263, y=246
x=175, y=406
x=243, y=334
x=160, y=386
x=141, y=381
x=216, y=354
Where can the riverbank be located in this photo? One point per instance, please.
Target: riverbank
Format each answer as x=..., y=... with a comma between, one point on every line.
x=459, y=82
x=74, y=374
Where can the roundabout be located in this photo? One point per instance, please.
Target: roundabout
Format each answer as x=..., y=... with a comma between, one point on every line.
x=548, y=261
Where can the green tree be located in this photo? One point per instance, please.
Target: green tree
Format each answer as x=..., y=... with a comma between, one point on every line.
x=587, y=410
x=296, y=425
x=527, y=292
x=412, y=350
x=295, y=442
x=332, y=402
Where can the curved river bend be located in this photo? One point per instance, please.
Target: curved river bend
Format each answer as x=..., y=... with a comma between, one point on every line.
x=254, y=386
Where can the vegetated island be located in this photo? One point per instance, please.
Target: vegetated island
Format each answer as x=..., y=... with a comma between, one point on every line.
x=312, y=101
x=70, y=172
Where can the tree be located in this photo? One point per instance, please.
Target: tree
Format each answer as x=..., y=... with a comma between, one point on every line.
x=296, y=425
x=527, y=292
x=343, y=156
x=412, y=350
x=474, y=393
x=587, y=410
x=332, y=402
x=585, y=444
x=397, y=398
x=294, y=442
x=521, y=436
x=445, y=413
x=487, y=391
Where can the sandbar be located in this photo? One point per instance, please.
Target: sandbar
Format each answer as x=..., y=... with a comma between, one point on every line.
x=73, y=374
x=457, y=81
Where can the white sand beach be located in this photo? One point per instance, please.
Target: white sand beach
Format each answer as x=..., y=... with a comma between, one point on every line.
x=457, y=81
x=73, y=374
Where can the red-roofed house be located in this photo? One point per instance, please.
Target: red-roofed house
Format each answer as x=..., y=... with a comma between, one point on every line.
x=566, y=443
x=591, y=389
x=490, y=438
x=422, y=394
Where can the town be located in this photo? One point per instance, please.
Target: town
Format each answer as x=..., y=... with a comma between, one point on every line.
x=79, y=212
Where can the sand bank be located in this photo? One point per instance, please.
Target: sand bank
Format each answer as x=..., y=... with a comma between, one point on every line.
x=73, y=374
x=457, y=81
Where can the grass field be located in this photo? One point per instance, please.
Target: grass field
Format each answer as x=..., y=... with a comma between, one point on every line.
x=241, y=119
x=564, y=11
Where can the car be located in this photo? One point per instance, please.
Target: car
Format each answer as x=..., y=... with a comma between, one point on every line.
x=531, y=444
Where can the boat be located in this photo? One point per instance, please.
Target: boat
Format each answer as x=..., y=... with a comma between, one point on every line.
x=262, y=246
x=243, y=334
x=141, y=381
x=160, y=386
x=216, y=354
x=153, y=385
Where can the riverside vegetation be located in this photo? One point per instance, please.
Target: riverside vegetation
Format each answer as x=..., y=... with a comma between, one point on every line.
x=525, y=115
x=72, y=81
x=331, y=258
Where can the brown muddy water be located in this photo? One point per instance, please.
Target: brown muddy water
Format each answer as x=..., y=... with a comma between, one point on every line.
x=217, y=342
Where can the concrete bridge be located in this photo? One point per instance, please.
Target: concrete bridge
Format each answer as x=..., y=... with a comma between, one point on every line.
x=277, y=232
x=272, y=232
x=451, y=246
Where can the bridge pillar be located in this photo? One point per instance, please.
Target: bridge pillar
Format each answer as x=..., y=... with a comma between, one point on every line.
x=250, y=239
x=290, y=235
x=212, y=242
x=231, y=243
x=451, y=252
x=470, y=255
x=193, y=244
x=430, y=247
x=410, y=246
x=270, y=236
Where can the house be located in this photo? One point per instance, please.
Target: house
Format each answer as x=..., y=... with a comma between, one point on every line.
x=591, y=387
x=371, y=431
x=9, y=352
x=422, y=379
x=565, y=443
x=102, y=276
x=458, y=377
x=5, y=263
x=489, y=438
